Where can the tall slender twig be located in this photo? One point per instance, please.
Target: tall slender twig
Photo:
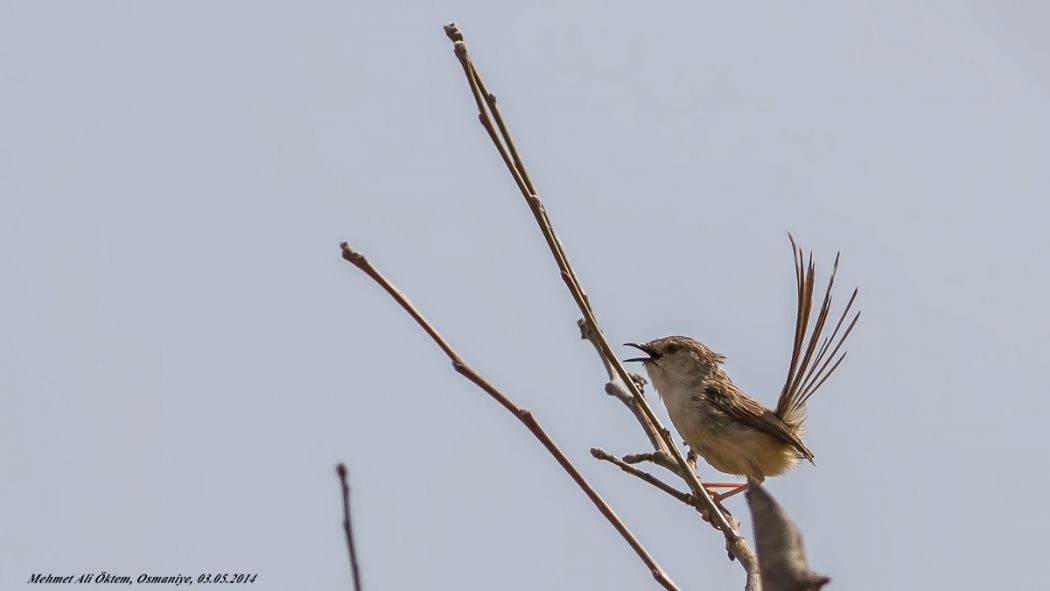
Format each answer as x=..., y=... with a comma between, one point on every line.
x=348, y=528
x=522, y=414
x=489, y=111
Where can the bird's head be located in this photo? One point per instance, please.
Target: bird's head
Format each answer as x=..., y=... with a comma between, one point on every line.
x=677, y=357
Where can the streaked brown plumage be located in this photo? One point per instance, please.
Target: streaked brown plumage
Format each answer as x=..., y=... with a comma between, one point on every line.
x=732, y=431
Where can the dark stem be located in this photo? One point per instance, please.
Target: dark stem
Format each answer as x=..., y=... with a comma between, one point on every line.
x=348, y=528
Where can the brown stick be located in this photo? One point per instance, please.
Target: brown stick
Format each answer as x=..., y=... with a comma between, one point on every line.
x=348, y=528
x=603, y=455
x=487, y=111
x=522, y=414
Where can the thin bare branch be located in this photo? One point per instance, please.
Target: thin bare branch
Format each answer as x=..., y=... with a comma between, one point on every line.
x=348, y=528
x=603, y=455
x=659, y=458
x=487, y=110
x=522, y=414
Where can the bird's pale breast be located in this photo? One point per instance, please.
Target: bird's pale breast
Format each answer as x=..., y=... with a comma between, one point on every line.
x=724, y=442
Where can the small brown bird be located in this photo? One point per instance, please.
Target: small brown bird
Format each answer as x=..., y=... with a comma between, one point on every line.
x=732, y=431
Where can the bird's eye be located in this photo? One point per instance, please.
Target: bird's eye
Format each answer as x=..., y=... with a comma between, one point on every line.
x=671, y=349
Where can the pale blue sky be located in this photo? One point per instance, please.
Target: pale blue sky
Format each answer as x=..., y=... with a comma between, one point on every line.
x=184, y=357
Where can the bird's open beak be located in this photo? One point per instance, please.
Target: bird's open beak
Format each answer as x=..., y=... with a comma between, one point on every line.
x=644, y=349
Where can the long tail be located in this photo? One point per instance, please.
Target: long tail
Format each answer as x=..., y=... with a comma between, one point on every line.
x=810, y=368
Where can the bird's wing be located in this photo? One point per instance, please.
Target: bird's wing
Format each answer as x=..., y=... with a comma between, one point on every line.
x=745, y=409
x=812, y=366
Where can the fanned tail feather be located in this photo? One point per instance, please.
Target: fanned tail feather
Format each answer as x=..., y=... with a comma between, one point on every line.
x=811, y=365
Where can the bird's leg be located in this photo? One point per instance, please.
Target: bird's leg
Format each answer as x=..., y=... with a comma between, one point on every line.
x=691, y=458
x=739, y=488
x=736, y=486
x=718, y=498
